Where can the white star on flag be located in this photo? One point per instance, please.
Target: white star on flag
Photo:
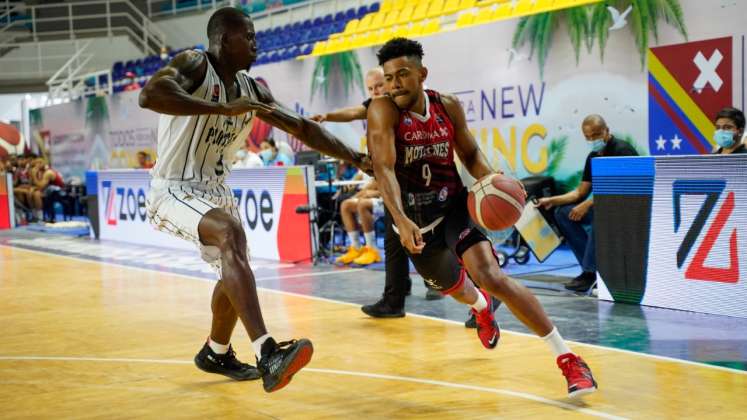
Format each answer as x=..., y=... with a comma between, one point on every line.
x=676, y=142
x=661, y=143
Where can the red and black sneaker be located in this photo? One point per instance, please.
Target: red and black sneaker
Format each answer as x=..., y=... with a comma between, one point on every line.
x=487, y=327
x=577, y=373
x=280, y=361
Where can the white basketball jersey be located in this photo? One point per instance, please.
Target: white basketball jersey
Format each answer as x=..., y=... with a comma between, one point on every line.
x=201, y=148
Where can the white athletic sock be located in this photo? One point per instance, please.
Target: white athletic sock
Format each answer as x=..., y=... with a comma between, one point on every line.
x=370, y=239
x=480, y=303
x=355, y=239
x=257, y=344
x=556, y=343
x=216, y=347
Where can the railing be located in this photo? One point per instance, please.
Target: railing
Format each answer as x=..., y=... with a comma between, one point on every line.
x=173, y=8
x=77, y=87
x=127, y=17
x=9, y=8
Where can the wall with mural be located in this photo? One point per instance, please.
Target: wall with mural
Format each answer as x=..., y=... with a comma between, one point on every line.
x=525, y=85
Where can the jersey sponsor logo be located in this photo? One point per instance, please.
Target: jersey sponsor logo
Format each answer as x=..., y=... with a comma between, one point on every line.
x=443, y=194
x=712, y=190
x=407, y=120
x=438, y=150
x=418, y=135
x=123, y=204
x=216, y=93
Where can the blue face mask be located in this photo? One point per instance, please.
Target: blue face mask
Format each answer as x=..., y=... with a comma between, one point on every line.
x=724, y=138
x=266, y=155
x=597, y=145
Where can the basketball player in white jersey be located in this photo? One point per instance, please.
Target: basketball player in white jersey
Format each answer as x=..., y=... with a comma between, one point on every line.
x=208, y=102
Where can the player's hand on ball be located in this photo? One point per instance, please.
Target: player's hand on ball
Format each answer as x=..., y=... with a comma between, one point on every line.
x=244, y=105
x=578, y=212
x=410, y=236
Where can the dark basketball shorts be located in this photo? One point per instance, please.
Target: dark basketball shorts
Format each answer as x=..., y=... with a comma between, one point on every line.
x=440, y=262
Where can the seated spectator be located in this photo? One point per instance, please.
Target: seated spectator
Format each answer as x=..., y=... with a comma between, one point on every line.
x=23, y=188
x=247, y=159
x=729, y=131
x=367, y=204
x=144, y=160
x=131, y=82
x=271, y=156
x=574, y=212
x=48, y=187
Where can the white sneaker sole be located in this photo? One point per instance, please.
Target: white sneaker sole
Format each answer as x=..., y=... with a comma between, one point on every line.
x=582, y=392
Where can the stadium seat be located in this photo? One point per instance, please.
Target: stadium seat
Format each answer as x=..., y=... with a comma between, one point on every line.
x=467, y=4
x=319, y=48
x=365, y=23
x=399, y=4
x=502, y=11
x=484, y=15
x=405, y=15
x=391, y=18
x=451, y=6
x=465, y=19
x=351, y=27
x=432, y=27
x=435, y=8
x=378, y=21
x=362, y=11
x=415, y=30
x=522, y=8
x=386, y=5
x=421, y=11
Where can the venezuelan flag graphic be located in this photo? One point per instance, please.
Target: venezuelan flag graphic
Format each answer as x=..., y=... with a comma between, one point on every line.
x=687, y=85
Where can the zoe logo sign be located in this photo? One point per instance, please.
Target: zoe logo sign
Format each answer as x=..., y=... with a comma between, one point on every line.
x=123, y=203
x=713, y=225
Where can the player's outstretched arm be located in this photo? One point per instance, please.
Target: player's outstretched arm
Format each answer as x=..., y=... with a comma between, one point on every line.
x=465, y=145
x=348, y=114
x=167, y=92
x=309, y=132
x=382, y=119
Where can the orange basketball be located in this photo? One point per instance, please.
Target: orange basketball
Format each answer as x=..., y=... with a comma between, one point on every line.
x=496, y=201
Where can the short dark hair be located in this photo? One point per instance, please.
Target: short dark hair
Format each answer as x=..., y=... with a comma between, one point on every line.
x=400, y=47
x=223, y=19
x=733, y=114
x=271, y=142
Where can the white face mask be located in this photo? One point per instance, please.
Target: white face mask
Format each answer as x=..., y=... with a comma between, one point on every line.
x=164, y=56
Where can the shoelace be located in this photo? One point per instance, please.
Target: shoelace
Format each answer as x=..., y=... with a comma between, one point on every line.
x=569, y=372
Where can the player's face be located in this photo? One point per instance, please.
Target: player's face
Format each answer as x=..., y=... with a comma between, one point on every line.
x=404, y=80
x=375, y=84
x=241, y=45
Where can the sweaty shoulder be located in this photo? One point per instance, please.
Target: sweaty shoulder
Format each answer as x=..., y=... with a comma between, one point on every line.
x=191, y=68
x=383, y=107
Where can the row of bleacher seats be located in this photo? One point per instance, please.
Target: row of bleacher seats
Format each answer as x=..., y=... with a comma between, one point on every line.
x=294, y=39
x=413, y=18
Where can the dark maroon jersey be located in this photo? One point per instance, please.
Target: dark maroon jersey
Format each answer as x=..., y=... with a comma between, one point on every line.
x=425, y=165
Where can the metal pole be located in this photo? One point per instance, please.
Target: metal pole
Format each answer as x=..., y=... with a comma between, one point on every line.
x=109, y=18
x=173, y=7
x=39, y=58
x=33, y=22
x=145, y=35
x=70, y=19
x=150, y=13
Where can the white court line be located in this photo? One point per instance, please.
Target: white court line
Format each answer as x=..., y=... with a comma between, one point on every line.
x=499, y=391
x=448, y=321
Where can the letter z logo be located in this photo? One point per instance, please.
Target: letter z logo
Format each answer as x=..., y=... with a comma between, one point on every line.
x=712, y=190
x=110, y=216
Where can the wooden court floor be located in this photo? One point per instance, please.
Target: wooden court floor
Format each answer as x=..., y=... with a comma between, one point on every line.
x=88, y=340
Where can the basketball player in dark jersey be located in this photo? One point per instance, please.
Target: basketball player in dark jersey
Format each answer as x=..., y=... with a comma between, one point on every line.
x=414, y=135
x=207, y=102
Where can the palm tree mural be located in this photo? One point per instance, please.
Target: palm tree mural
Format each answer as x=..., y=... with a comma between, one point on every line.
x=344, y=65
x=590, y=23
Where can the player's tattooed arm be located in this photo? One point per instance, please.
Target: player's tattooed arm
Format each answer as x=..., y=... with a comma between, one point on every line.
x=464, y=143
x=309, y=132
x=382, y=119
x=167, y=92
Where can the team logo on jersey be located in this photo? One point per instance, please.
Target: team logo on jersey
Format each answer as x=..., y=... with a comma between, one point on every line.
x=411, y=199
x=443, y=194
x=407, y=120
x=216, y=93
x=439, y=120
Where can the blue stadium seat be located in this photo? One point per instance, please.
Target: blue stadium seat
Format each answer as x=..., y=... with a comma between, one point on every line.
x=374, y=7
x=362, y=11
x=350, y=14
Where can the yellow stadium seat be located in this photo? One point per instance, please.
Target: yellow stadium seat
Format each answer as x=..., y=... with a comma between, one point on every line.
x=371, y=38
x=401, y=32
x=386, y=6
x=484, y=15
x=502, y=11
x=414, y=3
x=522, y=8
x=320, y=47
x=385, y=35
x=399, y=4
x=432, y=27
x=415, y=30
x=391, y=18
x=335, y=36
x=405, y=15
x=465, y=19
x=543, y=5
x=378, y=21
x=351, y=26
x=365, y=23
x=467, y=4
x=435, y=8
x=421, y=11
x=450, y=7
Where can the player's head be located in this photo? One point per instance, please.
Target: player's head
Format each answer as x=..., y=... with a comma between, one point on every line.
x=231, y=32
x=596, y=132
x=404, y=74
x=729, y=127
x=375, y=82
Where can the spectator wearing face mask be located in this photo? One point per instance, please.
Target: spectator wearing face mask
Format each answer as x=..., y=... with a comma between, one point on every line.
x=574, y=211
x=271, y=156
x=729, y=131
